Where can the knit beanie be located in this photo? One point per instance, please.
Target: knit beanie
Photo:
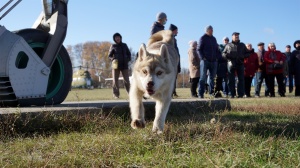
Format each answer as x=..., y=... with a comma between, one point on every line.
x=172, y=27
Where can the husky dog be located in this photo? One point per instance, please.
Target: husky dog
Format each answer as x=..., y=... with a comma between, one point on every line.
x=154, y=74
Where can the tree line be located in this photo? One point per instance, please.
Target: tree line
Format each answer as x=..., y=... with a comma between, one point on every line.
x=93, y=57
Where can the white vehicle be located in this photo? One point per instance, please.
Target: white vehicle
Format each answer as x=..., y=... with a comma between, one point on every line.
x=35, y=67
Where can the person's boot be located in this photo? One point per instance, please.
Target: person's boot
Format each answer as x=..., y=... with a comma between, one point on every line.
x=297, y=90
x=218, y=95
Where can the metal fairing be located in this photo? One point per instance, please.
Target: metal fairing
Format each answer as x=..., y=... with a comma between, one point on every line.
x=31, y=79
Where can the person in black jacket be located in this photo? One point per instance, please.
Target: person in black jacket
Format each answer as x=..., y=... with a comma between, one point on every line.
x=295, y=66
x=161, y=20
x=120, y=55
x=208, y=50
x=235, y=52
x=174, y=29
x=289, y=77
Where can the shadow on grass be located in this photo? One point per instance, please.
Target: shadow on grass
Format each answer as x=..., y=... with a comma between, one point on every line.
x=266, y=125
x=49, y=123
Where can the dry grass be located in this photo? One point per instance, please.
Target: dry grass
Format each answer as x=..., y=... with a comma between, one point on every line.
x=260, y=132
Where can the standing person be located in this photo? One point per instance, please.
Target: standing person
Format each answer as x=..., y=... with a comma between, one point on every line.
x=221, y=80
x=290, y=77
x=208, y=50
x=295, y=66
x=235, y=52
x=272, y=57
x=261, y=71
x=174, y=30
x=119, y=53
x=158, y=25
x=194, y=68
x=251, y=66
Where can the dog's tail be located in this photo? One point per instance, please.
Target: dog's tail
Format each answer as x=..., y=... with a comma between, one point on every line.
x=163, y=36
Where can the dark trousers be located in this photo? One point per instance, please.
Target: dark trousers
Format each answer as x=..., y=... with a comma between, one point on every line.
x=239, y=69
x=115, y=75
x=221, y=85
x=194, y=84
x=174, y=90
x=248, y=82
x=291, y=83
x=297, y=90
x=260, y=76
x=271, y=81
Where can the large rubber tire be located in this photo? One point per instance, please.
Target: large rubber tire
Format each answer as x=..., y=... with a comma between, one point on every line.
x=60, y=78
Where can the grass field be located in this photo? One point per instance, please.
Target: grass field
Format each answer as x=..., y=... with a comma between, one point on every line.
x=106, y=94
x=257, y=132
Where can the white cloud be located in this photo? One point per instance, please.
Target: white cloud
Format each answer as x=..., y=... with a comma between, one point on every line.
x=269, y=30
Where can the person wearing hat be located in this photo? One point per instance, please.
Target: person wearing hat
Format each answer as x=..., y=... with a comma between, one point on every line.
x=174, y=30
x=194, y=68
x=221, y=79
x=158, y=25
x=260, y=75
x=287, y=73
x=120, y=55
x=208, y=50
x=295, y=66
x=235, y=52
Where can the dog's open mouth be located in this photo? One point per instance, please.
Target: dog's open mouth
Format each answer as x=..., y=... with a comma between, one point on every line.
x=150, y=91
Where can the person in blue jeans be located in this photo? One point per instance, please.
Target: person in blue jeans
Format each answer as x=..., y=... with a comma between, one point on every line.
x=261, y=72
x=235, y=52
x=208, y=50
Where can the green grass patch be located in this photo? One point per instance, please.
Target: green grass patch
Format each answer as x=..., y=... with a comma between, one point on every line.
x=260, y=132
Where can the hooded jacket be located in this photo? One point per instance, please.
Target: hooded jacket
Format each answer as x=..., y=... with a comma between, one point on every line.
x=120, y=52
x=295, y=63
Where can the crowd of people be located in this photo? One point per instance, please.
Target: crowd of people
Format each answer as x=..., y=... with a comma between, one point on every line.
x=228, y=69
x=222, y=70
x=120, y=55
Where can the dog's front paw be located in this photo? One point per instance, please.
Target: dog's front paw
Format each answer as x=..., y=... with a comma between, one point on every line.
x=156, y=130
x=138, y=124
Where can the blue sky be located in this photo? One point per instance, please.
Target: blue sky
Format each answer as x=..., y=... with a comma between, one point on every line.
x=97, y=20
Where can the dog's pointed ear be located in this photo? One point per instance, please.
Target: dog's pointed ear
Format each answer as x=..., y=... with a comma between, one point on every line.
x=142, y=52
x=164, y=53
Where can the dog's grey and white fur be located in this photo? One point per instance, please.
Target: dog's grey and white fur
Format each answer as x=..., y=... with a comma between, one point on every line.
x=154, y=74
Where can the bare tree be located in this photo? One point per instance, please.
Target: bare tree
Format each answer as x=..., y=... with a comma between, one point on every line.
x=78, y=50
x=71, y=54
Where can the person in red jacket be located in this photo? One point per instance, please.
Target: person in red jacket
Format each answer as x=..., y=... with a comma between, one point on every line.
x=251, y=66
x=274, y=68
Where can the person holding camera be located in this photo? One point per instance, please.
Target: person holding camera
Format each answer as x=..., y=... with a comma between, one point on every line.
x=274, y=68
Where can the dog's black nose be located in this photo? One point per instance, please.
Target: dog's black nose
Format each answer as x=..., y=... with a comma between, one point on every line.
x=150, y=84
